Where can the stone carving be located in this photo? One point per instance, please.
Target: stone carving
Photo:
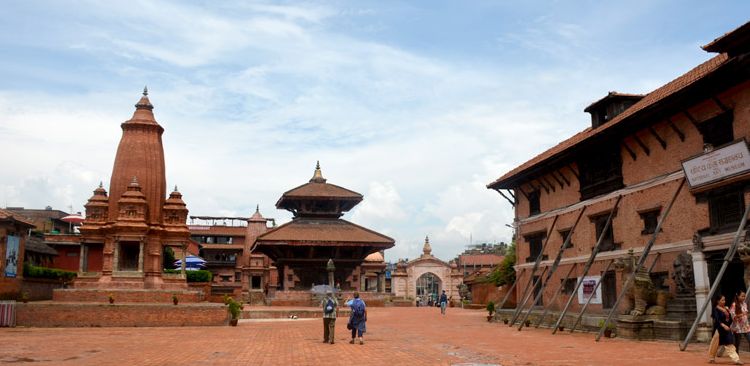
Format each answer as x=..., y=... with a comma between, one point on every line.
x=643, y=296
x=682, y=274
x=697, y=242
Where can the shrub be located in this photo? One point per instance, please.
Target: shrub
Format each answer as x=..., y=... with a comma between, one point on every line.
x=30, y=271
x=491, y=307
x=233, y=306
x=194, y=276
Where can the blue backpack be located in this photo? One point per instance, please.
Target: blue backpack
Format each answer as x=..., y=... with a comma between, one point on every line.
x=329, y=306
x=358, y=309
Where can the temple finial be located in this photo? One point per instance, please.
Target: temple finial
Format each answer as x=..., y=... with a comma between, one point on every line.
x=145, y=90
x=134, y=180
x=175, y=188
x=101, y=184
x=318, y=175
x=257, y=208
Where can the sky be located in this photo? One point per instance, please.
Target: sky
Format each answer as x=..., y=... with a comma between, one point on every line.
x=417, y=105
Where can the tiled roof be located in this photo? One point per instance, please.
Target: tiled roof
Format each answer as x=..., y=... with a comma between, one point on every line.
x=38, y=246
x=315, y=231
x=324, y=190
x=629, y=114
x=6, y=215
x=730, y=40
x=480, y=259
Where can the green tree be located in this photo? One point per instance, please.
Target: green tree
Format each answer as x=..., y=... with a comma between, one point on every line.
x=168, y=258
x=504, y=273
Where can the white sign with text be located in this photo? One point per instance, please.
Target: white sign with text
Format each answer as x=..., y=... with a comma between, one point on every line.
x=586, y=290
x=718, y=164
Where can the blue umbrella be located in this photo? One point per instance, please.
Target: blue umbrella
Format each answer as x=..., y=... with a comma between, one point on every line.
x=191, y=261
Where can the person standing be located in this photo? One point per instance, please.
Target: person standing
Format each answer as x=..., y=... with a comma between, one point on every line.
x=740, y=326
x=357, y=319
x=443, y=302
x=330, y=306
x=723, y=333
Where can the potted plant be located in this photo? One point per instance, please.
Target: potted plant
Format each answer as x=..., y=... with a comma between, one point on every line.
x=490, y=310
x=505, y=320
x=608, y=330
x=25, y=297
x=561, y=327
x=111, y=298
x=175, y=300
x=235, y=309
x=527, y=322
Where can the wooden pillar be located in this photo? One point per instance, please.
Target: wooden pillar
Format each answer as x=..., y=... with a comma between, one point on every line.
x=140, y=256
x=81, y=258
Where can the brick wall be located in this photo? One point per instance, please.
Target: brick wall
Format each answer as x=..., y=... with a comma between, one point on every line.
x=125, y=296
x=130, y=315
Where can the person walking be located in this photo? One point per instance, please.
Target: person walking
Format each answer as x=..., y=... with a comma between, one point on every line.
x=357, y=319
x=722, y=333
x=740, y=326
x=330, y=306
x=443, y=302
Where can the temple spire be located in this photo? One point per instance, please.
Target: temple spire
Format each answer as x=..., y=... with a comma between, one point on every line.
x=427, y=249
x=145, y=90
x=318, y=175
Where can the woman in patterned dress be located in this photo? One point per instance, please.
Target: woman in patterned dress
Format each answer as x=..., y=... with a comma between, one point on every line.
x=740, y=325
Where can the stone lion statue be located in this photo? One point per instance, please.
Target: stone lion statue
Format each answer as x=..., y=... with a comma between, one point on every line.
x=642, y=294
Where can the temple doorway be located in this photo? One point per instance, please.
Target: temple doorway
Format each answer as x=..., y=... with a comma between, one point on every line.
x=428, y=287
x=129, y=253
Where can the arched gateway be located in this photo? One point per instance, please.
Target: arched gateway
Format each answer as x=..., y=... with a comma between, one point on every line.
x=426, y=277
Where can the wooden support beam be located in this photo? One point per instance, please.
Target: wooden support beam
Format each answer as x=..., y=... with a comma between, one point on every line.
x=720, y=104
x=676, y=130
x=510, y=191
x=658, y=138
x=541, y=184
x=575, y=173
x=523, y=192
x=512, y=203
x=629, y=150
x=565, y=179
x=642, y=145
x=551, y=185
x=557, y=179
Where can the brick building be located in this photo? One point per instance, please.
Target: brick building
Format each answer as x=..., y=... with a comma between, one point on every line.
x=634, y=149
x=225, y=244
x=13, y=230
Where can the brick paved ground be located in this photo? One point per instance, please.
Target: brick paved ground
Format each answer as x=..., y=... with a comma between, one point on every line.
x=396, y=336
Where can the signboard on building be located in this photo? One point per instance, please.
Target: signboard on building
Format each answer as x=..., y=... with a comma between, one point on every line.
x=718, y=164
x=11, y=256
x=586, y=290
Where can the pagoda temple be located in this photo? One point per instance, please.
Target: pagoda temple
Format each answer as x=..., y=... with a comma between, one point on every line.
x=126, y=232
x=302, y=247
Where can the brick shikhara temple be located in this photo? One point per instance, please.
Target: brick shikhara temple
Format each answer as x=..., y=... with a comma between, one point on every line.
x=125, y=234
x=302, y=247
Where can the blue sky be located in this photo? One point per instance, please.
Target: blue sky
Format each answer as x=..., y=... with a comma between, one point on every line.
x=416, y=105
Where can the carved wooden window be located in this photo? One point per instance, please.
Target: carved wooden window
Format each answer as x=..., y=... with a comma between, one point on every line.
x=718, y=130
x=600, y=170
x=650, y=220
x=535, y=246
x=534, y=206
x=569, y=285
x=564, y=235
x=726, y=207
x=608, y=242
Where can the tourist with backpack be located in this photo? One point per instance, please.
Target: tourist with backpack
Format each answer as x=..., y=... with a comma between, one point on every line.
x=357, y=318
x=330, y=305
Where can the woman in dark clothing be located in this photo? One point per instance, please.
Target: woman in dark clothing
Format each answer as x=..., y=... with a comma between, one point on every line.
x=722, y=331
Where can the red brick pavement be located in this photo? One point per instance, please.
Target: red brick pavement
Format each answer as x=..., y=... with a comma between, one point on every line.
x=396, y=336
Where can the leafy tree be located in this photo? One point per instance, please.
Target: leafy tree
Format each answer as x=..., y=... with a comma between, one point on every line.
x=504, y=273
x=168, y=258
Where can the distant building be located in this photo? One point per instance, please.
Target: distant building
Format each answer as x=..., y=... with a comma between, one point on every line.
x=426, y=277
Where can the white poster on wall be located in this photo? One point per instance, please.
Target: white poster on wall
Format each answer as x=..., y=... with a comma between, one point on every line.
x=586, y=290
